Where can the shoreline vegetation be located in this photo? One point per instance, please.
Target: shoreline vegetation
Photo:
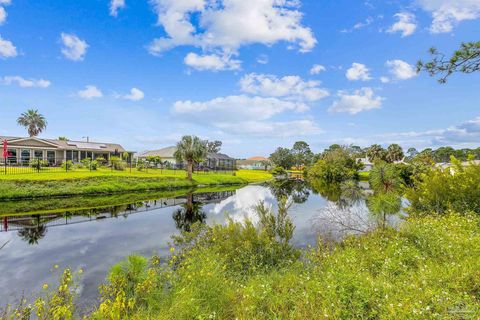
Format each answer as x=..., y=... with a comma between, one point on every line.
x=427, y=268
x=41, y=185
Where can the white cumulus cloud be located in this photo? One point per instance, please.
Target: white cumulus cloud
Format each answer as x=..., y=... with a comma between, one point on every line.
x=274, y=129
x=3, y=15
x=3, y=12
x=358, y=72
x=235, y=108
x=358, y=101
x=115, y=5
x=90, y=92
x=406, y=24
x=289, y=87
x=401, y=70
x=317, y=68
x=448, y=13
x=26, y=83
x=134, y=95
x=212, y=62
x=227, y=25
x=7, y=49
x=246, y=115
x=74, y=48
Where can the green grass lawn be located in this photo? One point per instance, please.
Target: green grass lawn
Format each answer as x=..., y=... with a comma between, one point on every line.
x=103, y=181
x=364, y=175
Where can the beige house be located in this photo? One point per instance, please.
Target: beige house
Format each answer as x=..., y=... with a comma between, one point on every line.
x=213, y=161
x=22, y=150
x=254, y=163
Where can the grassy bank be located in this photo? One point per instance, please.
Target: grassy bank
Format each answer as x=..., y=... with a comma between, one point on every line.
x=78, y=203
x=56, y=184
x=428, y=269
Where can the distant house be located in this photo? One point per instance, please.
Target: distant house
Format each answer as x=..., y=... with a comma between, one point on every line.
x=446, y=165
x=214, y=161
x=254, y=163
x=166, y=154
x=22, y=150
x=367, y=164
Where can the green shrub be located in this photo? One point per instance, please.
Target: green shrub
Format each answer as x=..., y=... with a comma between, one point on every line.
x=67, y=165
x=140, y=165
x=117, y=163
x=278, y=171
x=335, y=166
x=38, y=163
x=427, y=269
x=90, y=164
x=439, y=190
x=101, y=161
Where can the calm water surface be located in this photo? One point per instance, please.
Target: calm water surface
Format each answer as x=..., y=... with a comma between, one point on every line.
x=96, y=238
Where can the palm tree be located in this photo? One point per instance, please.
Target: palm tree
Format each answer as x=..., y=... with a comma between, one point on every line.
x=376, y=153
x=382, y=205
x=33, y=121
x=385, y=178
x=394, y=153
x=191, y=149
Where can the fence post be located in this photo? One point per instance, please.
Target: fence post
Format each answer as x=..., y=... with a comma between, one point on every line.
x=38, y=165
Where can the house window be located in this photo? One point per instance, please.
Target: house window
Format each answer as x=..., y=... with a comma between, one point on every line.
x=69, y=155
x=12, y=156
x=25, y=156
x=75, y=156
x=51, y=157
x=38, y=154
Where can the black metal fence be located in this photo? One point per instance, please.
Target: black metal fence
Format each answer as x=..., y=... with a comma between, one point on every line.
x=87, y=165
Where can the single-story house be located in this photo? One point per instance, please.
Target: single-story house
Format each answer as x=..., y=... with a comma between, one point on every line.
x=165, y=154
x=217, y=161
x=254, y=163
x=22, y=150
x=367, y=164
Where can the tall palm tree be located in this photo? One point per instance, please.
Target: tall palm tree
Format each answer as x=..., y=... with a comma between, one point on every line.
x=191, y=149
x=33, y=121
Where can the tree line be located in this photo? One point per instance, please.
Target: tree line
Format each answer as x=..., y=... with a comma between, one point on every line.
x=301, y=156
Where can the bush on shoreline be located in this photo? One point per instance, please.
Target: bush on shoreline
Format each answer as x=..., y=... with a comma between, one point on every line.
x=428, y=269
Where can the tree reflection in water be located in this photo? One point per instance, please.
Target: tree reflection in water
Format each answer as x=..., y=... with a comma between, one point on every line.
x=353, y=209
x=188, y=214
x=296, y=190
x=32, y=234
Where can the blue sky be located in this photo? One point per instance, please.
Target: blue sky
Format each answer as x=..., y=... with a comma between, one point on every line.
x=256, y=74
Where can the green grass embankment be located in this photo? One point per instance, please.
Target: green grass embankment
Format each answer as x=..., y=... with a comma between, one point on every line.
x=65, y=184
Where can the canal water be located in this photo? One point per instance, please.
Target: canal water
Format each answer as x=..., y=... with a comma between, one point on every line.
x=94, y=233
